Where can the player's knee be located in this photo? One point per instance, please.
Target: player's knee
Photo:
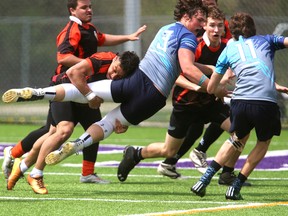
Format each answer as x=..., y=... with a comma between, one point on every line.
x=237, y=144
x=107, y=127
x=64, y=131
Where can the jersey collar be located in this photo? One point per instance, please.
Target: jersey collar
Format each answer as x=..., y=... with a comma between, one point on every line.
x=75, y=19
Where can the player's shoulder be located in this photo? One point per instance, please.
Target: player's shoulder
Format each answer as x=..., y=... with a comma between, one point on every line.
x=104, y=55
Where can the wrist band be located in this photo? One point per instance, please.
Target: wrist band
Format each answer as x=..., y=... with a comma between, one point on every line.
x=90, y=95
x=202, y=79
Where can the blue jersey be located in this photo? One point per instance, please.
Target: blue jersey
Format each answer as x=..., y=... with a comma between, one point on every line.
x=161, y=62
x=251, y=59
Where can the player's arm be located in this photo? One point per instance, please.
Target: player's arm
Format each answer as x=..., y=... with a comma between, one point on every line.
x=190, y=71
x=206, y=69
x=77, y=75
x=112, y=40
x=69, y=60
x=186, y=84
x=286, y=42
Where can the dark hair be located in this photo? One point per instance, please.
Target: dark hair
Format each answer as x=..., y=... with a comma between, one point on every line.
x=189, y=7
x=71, y=4
x=215, y=13
x=129, y=62
x=242, y=23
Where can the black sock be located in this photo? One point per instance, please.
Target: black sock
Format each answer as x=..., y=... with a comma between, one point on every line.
x=171, y=161
x=242, y=178
x=137, y=156
x=215, y=165
x=227, y=169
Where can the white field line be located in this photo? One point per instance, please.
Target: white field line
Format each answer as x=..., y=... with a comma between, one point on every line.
x=213, y=209
x=222, y=205
x=160, y=176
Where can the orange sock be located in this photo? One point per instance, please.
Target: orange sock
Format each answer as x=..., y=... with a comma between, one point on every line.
x=17, y=150
x=87, y=168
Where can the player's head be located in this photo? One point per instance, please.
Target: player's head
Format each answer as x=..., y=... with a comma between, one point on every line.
x=242, y=24
x=210, y=2
x=123, y=65
x=214, y=26
x=82, y=9
x=191, y=13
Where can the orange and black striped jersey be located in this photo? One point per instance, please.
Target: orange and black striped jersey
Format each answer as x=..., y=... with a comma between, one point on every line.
x=99, y=63
x=204, y=55
x=77, y=39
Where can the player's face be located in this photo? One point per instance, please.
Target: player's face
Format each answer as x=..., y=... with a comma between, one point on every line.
x=83, y=11
x=115, y=71
x=196, y=22
x=214, y=29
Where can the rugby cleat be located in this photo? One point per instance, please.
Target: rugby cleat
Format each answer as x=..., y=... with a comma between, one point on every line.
x=57, y=156
x=21, y=95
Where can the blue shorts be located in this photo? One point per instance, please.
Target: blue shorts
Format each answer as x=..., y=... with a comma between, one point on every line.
x=138, y=96
x=264, y=116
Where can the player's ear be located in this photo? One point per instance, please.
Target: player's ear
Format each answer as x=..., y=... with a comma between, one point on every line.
x=205, y=27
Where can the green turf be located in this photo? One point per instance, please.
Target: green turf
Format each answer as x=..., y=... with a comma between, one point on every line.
x=144, y=191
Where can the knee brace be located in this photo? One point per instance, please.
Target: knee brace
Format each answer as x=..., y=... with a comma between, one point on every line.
x=108, y=122
x=237, y=144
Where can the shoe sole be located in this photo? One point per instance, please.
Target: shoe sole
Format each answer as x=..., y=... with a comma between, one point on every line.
x=56, y=157
x=11, y=96
x=7, y=169
x=127, y=157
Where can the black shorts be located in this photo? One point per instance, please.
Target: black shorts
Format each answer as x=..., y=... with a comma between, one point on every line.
x=138, y=96
x=264, y=116
x=181, y=119
x=74, y=112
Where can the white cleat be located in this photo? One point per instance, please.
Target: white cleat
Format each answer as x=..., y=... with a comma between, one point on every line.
x=198, y=158
x=57, y=156
x=7, y=162
x=168, y=170
x=13, y=95
x=93, y=178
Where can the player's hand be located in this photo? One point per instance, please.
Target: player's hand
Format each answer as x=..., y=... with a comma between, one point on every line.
x=222, y=92
x=119, y=128
x=280, y=88
x=95, y=102
x=228, y=77
x=135, y=36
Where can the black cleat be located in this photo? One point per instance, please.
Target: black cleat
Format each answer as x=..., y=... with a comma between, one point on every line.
x=127, y=164
x=233, y=194
x=227, y=178
x=199, y=189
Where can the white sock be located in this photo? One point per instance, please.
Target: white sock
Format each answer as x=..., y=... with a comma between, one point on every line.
x=23, y=167
x=86, y=140
x=36, y=173
x=73, y=94
x=48, y=92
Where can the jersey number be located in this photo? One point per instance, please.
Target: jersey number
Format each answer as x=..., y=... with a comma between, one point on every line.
x=166, y=36
x=249, y=48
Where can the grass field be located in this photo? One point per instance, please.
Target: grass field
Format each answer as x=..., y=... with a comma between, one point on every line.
x=144, y=192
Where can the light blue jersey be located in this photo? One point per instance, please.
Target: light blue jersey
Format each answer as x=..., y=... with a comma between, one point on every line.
x=161, y=62
x=251, y=60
